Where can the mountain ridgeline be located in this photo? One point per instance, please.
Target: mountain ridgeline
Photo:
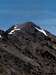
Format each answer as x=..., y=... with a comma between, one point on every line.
x=27, y=49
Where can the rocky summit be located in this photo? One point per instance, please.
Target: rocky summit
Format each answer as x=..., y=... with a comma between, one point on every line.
x=27, y=49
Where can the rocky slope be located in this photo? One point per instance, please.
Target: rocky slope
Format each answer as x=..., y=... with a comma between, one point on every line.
x=27, y=49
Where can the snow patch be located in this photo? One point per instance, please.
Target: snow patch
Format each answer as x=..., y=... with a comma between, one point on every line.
x=0, y=36
x=15, y=29
x=42, y=31
x=11, y=32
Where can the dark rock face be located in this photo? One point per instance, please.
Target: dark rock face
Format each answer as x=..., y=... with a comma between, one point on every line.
x=27, y=51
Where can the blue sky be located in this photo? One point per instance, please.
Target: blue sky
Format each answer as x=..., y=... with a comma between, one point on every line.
x=41, y=12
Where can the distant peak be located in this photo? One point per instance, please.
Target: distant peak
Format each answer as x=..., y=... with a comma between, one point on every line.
x=29, y=23
x=26, y=26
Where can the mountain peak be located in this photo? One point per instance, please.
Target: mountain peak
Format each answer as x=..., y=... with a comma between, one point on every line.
x=28, y=26
x=27, y=51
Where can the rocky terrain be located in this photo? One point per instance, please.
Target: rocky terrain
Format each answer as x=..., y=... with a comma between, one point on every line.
x=27, y=49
